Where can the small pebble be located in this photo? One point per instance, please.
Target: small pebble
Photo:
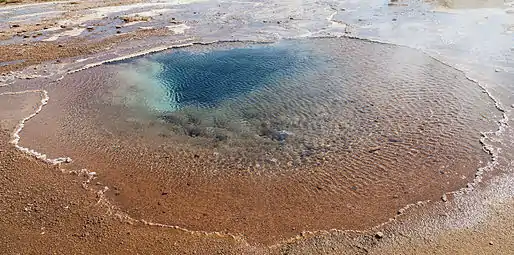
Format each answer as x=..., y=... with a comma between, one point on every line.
x=444, y=198
x=373, y=149
x=379, y=235
x=491, y=243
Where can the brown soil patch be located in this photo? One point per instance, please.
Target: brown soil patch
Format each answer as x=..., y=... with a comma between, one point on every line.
x=36, y=53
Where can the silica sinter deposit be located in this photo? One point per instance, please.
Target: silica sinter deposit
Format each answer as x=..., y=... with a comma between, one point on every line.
x=268, y=140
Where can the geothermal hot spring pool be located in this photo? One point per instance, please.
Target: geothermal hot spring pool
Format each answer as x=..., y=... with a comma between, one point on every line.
x=268, y=140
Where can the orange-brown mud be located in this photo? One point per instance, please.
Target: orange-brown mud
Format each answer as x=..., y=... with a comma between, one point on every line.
x=45, y=210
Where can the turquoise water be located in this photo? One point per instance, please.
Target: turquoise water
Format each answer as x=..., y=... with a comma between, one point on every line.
x=207, y=79
x=224, y=92
x=185, y=79
x=299, y=101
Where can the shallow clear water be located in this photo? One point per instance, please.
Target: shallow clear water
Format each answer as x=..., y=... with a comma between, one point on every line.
x=344, y=127
x=294, y=102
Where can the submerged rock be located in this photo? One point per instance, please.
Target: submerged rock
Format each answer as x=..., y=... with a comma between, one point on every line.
x=173, y=119
x=280, y=135
x=194, y=131
x=221, y=137
x=395, y=140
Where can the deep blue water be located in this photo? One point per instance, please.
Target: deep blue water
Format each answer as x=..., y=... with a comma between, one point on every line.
x=205, y=79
